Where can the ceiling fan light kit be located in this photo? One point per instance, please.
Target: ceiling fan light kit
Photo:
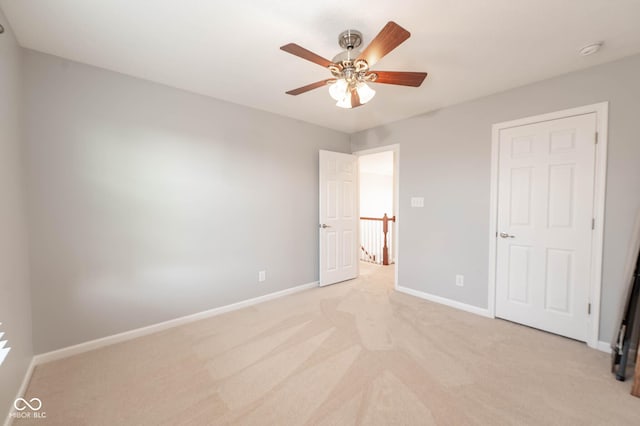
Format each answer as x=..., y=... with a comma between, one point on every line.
x=351, y=69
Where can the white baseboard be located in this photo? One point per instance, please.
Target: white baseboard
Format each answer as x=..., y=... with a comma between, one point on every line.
x=444, y=301
x=21, y=390
x=601, y=346
x=132, y=334
x=604, y=346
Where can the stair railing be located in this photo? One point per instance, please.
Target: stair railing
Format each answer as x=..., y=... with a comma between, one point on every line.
x=376, y=239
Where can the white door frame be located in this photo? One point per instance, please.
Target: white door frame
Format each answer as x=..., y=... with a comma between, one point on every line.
x=396, y=194
x=601, y=110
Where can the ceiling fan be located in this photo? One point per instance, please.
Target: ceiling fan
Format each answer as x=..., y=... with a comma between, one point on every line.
x=351, y=69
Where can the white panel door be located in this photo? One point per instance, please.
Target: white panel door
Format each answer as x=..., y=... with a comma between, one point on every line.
x=338, y=217
x=545, y=211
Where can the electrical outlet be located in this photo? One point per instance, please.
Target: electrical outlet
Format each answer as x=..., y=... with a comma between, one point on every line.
x=460, y=280
x=262, y=276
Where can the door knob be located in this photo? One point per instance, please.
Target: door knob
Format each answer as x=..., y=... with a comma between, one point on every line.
x=505, y=235
x=324, y=225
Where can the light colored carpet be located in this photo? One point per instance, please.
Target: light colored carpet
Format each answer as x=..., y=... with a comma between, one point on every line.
x=352, y=353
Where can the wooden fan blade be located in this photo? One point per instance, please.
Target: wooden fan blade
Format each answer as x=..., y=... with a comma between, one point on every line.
x=413, y=79
x=303, y=53
x=308, y=87
x=390, y=37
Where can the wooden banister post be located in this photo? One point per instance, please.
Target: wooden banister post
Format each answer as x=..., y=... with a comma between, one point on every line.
x=385, y=249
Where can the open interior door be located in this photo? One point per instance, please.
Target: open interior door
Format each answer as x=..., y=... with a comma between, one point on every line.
x=338, y=217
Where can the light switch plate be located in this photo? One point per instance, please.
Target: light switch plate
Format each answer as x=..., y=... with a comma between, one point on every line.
x=417, y=201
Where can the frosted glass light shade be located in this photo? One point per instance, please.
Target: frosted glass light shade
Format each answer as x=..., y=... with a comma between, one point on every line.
x=365, y=93
x=338, y=90
x=341, y=93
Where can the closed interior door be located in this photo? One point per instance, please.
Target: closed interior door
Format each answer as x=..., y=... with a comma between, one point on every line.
x=545, y=213
x=338, y=217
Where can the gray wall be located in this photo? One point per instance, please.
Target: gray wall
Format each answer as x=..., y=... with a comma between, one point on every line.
x=15, y=307
x=445, y=157
x=148, y=203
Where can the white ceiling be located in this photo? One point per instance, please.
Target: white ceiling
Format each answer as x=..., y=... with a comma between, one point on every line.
x=230, y=49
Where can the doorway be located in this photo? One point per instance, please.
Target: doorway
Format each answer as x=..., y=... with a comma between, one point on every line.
x=378, y=206
x=547, y=217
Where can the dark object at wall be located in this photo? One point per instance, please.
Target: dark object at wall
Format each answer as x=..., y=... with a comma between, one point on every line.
x=620, y=354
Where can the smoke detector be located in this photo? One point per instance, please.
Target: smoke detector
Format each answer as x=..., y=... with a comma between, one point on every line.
x=590, y=49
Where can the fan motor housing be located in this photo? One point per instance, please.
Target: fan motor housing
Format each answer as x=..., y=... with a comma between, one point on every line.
x=350, y=39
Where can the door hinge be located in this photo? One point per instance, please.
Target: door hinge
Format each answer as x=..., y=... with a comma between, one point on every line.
x=593, y=223
x=596, y=138
x=588, y=308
